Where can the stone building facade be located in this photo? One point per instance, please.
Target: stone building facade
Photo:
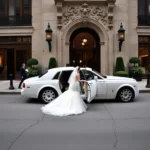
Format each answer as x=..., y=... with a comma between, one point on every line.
x=97, y=21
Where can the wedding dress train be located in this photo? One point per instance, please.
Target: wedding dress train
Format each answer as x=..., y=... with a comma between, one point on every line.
x=68, y=103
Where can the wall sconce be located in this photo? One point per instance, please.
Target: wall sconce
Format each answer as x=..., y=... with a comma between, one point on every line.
x=48, y=32
x=121, y=36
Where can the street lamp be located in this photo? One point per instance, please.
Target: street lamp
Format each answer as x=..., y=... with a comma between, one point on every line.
x=121, y=36
x=48, y=32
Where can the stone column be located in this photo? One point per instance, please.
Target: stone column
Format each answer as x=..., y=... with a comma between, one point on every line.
x=110, y=52
x=103, y=58
x=59, y=50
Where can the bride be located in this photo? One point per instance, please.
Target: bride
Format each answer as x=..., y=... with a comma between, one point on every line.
x=70, y=102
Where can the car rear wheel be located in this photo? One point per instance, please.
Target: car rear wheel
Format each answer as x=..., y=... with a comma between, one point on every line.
x=47, y=95
x=125, y=95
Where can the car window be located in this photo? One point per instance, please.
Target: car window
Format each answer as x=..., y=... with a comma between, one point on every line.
x=56, y=76
x=88, y=75
x=42, y=74
x=96, y=75
x=100, y=74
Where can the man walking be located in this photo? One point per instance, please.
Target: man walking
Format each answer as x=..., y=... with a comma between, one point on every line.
x=22, y=74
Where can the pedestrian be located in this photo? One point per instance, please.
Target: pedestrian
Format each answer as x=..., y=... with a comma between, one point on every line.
x=22, y=74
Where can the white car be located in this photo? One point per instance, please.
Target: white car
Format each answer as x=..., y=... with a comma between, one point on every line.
x=53, y=83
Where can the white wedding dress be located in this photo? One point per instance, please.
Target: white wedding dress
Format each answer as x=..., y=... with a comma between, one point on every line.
x=68, y=103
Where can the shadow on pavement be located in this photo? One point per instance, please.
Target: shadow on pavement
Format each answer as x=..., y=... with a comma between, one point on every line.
x=37, y=101
x=33, y=101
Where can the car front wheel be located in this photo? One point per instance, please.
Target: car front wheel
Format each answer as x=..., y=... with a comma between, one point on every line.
x=47, y=95
x=125, y=95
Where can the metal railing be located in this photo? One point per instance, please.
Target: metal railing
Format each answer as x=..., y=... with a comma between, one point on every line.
x=25, y=20
x=144, y=20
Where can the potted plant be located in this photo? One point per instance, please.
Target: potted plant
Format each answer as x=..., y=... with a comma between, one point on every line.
x=134, y=60
x=121, y=73
x=119, y=64
x=52, y=63
x=137, y=73
x=32, y=67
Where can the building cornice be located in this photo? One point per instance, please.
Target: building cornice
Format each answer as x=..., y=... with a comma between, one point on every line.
x=143, y=30
x=16, y=30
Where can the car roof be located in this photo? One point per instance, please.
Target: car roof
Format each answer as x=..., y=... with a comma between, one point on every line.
x=67, y=68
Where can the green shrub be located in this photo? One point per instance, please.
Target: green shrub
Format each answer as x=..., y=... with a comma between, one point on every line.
x=137, y=71
x=32, y=62
x=121, y=73
x=52, y=63
x=134, y=60
x=32, y=69
x=119, y=64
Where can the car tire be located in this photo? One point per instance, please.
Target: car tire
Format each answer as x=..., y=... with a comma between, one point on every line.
x=125, y=95
x=47, y=95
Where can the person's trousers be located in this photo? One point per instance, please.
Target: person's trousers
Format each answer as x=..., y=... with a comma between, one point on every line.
x=21, y=82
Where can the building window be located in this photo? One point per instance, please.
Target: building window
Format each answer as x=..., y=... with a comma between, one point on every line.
x=144, y=52
x=144, y=12
x=15, y=12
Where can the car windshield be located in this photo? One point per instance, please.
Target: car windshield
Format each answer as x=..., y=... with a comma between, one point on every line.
x=104, y=76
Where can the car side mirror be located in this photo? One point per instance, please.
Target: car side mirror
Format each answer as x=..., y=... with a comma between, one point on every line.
x=95, y=77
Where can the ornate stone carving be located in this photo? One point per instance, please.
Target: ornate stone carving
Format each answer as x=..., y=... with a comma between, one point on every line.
x=85, y=12
x=59, y=14
x=67, y=13
x=70, y=14
x=99, y=13
x=110, y=12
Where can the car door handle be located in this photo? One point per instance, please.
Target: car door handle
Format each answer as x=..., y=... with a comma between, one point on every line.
x=90, y=83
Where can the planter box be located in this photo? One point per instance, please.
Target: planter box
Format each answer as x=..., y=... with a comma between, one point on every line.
x=138, y=78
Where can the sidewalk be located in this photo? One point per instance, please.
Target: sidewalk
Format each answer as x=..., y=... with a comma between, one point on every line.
x=5, y=84
x=4, y=87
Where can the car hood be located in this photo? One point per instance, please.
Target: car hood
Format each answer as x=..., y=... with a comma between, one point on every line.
x=119, y=78
x=32, y=79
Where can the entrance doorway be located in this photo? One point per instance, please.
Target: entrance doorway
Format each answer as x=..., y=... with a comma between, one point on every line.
x=144, y=52
x=21, y=56
x=14, y=50
x=15, y=58
x=85, y=48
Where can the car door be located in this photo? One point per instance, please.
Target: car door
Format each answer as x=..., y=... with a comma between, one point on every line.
x=91, y=85
x=92, y=88
x=101, y=86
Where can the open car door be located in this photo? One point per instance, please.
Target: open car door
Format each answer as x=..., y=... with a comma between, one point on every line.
x=91, y=90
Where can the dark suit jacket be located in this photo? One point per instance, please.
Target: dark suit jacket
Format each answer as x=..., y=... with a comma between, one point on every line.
x=23, y=72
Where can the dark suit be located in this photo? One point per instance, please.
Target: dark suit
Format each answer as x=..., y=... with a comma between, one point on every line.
x=23, y=76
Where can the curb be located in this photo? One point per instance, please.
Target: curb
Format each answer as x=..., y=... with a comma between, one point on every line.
x=144, y=91
x=9, y=92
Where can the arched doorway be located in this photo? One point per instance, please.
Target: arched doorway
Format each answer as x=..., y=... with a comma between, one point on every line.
x=85, y=48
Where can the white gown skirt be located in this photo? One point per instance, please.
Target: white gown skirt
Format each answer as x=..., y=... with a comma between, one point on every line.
x=68, y=103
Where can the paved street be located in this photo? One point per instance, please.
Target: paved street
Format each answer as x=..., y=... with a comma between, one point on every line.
x=106, y=126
